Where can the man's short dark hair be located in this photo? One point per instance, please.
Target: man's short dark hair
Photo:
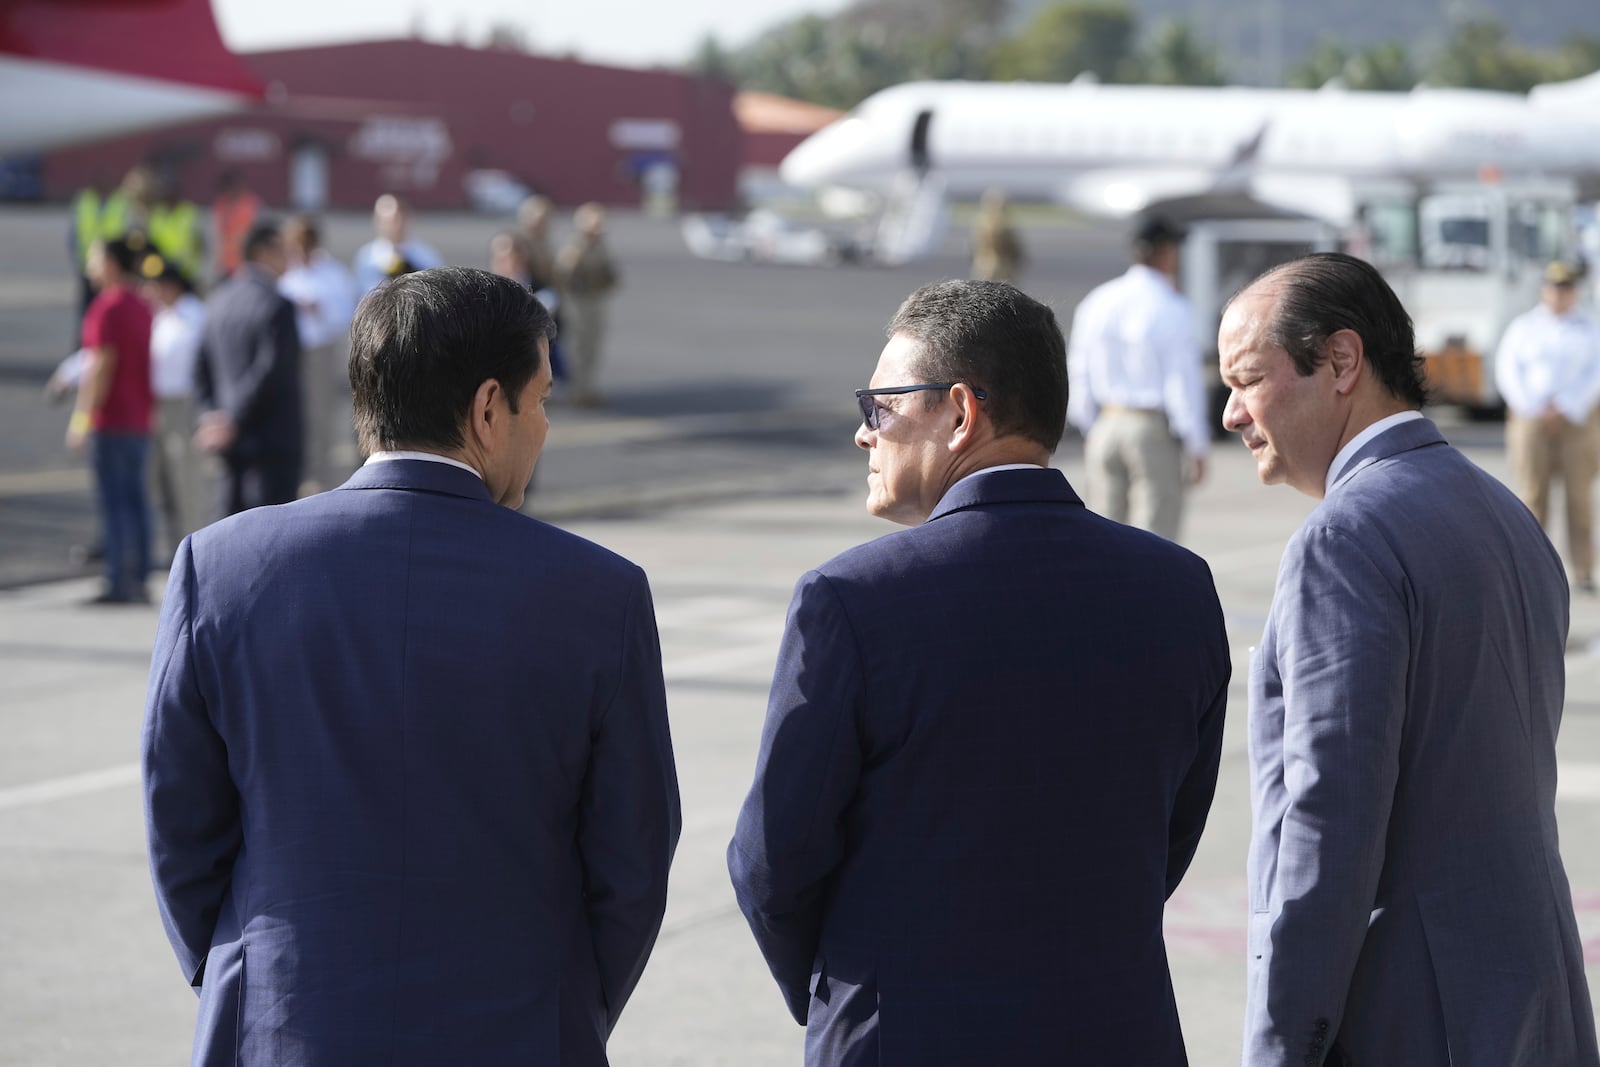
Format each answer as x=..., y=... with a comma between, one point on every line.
x=996, y=338
x=1325, y=292
x=126, y=252
x=264, y=233
x=422, y=344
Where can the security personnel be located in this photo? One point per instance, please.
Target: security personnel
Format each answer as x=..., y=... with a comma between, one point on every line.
x=176, y=231
x=96, y=216
x=1136, y=389
x=1548, y=372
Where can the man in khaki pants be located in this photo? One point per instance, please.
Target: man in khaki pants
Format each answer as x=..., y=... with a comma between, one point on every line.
x=1135, y=388
x=1548, y=371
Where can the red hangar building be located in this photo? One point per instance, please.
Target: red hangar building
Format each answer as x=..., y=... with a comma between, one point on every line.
x=446, y=127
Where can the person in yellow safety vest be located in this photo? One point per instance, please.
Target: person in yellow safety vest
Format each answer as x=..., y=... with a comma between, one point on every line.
x=97, y=215
x=177, y=233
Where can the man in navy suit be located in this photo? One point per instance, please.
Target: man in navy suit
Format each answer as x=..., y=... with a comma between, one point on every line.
x=992, y=738
x=409, y=789
x=247, y=381
x=1408, y=903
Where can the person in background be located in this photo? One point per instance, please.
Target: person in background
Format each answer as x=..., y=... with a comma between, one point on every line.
x=394, y=251
x=175, y=338
x=324, y=296
x=588, y=278
x=1547, y=369
x=997, y=252
x=176, y=230
x=112, y=417
x=1137, y=392
x=99, y=213
x=533, y=232
x=247, y=381
x=233, y=214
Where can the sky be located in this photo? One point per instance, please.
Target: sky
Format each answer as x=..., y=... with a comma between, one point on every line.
x=625, y=32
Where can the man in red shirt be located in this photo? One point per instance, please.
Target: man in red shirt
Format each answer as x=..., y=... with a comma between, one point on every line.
x=111, y=420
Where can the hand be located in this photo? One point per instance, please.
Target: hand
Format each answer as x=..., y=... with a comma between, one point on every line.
x=77, y=441
x=1194, y=470
x=215, y=433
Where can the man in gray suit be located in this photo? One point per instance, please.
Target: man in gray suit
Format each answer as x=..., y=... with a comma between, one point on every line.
x=1409, y=904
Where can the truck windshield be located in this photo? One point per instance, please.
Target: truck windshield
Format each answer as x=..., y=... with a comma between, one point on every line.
x=1456, y=234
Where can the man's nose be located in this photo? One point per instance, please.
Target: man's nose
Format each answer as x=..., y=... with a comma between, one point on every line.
x=1233, y=413
x=862, y=436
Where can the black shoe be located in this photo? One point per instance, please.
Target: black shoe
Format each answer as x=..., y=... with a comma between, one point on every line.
x=108, y=597
x=1586, y=587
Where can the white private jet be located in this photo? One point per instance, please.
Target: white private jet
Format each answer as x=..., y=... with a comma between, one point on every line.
x=1115, y=150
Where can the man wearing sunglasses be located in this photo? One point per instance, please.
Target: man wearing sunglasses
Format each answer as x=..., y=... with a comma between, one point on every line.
x=992, y=738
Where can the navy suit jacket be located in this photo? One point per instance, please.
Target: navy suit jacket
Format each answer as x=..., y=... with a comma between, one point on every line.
x=990, y=750
x=249, y=365
x=409, y=788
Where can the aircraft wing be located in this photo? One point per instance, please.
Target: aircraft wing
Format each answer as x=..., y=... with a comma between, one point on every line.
x=1121, y=193
x=89, y=69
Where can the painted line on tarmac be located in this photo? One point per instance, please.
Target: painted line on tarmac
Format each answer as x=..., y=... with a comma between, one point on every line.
x=35, y=483
x=72, y=785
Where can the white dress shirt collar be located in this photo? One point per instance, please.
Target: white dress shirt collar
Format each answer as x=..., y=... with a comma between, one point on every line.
x=1336, y=468
x=430, y=457
x=991, y=470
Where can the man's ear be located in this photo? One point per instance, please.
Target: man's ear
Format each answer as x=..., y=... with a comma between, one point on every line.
x=484, y=413
x=1346, y=354
x=969, y=416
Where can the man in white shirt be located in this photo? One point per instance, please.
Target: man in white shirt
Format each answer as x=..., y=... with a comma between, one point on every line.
x=1136, y=391
x=1548, y=371
x=324, y=297
x=175, y=336
x=392, y=253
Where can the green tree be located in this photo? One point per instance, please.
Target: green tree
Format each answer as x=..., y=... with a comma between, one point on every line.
x=1578, y=55
x=838, y=61
x=1384, y=67
x=1068, y=38
x=711, y=60
x=1176, y=58
x=1326, y=62
x=1479, y=55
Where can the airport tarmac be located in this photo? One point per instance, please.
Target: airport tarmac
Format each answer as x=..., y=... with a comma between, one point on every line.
x=724, y=466
x=86, y=976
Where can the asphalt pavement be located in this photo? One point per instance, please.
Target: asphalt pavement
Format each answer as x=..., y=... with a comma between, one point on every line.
x=724, y=466
x=86, y=976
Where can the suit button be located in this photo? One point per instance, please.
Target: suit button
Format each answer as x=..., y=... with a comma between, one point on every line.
x=1322, y=1026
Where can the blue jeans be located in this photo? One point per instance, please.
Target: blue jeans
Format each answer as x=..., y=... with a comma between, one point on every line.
x=119, y=477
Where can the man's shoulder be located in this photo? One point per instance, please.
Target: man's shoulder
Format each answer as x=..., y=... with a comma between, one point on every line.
x=333, y=520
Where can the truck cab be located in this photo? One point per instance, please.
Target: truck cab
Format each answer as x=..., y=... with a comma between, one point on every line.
x=1465, y=260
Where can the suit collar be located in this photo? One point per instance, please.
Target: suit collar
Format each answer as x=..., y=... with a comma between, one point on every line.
x=1043, y=486
x=1406, y=437
x=419, y=475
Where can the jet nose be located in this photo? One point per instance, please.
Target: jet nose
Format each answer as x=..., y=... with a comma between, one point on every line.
x=832, y=155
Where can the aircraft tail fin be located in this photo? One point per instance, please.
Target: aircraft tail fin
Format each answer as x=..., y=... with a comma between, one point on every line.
x=1579, y=93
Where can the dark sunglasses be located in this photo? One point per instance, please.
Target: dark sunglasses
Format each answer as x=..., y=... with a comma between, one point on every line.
x=869, y=406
